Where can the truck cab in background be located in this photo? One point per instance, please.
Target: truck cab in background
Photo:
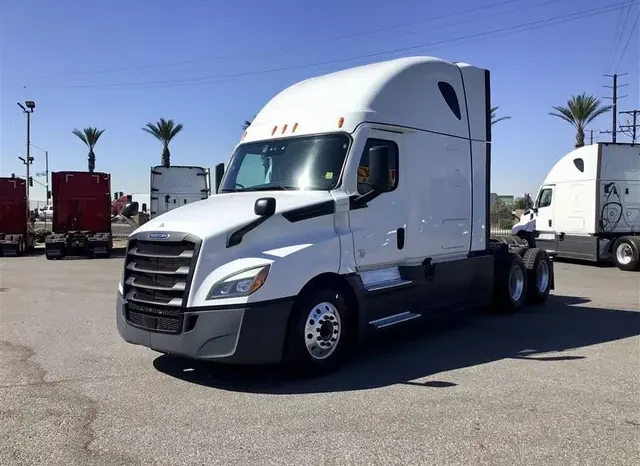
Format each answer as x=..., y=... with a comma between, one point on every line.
x=176, y=186
x=588, y=207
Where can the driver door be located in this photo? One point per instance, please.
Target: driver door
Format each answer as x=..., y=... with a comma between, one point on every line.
x=545, y=228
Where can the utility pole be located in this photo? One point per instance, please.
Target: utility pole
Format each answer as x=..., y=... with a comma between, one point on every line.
x=634, y=126
x=28, y=108
x=591, y=137
x=614, y=98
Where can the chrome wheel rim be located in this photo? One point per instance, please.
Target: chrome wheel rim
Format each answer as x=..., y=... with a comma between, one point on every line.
x=624, y=254
x=542, y=276
x=516, y=283
x=322, y=330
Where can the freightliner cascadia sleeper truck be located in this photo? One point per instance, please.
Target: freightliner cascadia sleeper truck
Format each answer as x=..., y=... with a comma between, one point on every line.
x=356, y=201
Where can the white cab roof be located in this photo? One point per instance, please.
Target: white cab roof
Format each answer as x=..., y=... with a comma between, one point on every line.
x=402, y=92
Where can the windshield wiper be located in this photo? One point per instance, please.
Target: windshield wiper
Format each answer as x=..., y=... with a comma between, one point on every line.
x=275, y=187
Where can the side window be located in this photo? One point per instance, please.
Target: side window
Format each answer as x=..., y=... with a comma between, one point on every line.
x=363, y=167
x=544, y=200
x=451, y=98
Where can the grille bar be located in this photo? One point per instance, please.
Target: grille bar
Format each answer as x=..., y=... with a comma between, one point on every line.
x=178, y=286
x=133, y=266
x=187, y=254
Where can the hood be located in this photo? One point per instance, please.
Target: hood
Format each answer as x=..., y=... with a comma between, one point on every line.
x=228, y=211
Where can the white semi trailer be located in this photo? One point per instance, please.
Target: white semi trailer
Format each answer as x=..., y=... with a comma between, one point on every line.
x=355, y=202
x=176, y=186
x=588, y=207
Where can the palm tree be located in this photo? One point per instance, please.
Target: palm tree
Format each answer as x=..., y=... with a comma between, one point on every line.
x=164, y=131
x=494, y=118
x=246, y=124
x=90, y=137
x=580, y=111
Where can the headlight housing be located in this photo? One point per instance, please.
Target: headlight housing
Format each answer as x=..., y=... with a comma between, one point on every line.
x=240, y=284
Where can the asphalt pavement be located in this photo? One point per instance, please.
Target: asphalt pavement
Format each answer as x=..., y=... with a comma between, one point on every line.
x=552, y=385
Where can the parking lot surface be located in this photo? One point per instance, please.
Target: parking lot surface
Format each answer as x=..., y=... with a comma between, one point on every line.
x=551, y=385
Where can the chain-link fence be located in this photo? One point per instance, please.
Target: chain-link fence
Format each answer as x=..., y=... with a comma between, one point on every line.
x=501, y=223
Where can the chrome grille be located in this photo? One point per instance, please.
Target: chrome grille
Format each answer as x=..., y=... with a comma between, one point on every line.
x=156, y=283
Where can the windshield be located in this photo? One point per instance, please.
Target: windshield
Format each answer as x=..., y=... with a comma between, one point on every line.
x=312, y=163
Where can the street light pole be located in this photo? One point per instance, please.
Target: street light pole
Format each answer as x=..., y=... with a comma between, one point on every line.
x=30, y=106
x=46, y=170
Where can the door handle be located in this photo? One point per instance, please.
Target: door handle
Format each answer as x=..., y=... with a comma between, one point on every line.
x=549, y=222
x=400, y=237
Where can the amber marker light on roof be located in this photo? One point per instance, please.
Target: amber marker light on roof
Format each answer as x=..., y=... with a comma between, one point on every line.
x=284, y=128
x=340, y=122
x=273, y=131
x=295, y=127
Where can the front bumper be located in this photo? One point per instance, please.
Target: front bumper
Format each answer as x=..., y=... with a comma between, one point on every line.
x=253, y=334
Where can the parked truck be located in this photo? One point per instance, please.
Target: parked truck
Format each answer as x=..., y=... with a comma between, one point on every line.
x=176, y=186
x=357, y=201
x=16, y=233
x=588, y=207
x=81, y=215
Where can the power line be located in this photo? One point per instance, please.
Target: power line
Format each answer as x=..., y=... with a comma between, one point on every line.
x=624, y=51
x=617, y=38
x=280, y=48
x=477, y=36
x=631, y=130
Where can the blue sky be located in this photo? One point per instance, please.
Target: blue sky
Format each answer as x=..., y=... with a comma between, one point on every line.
x=113, y=65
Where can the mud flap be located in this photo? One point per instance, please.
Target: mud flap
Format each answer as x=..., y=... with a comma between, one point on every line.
x=99, y=245
x=54, y=246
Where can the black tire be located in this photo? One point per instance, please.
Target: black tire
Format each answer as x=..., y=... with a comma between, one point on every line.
x=297, y=358
x=20, y=247
x=539, y=272
x=507, y=301
x=528, y=239
x=626, y=253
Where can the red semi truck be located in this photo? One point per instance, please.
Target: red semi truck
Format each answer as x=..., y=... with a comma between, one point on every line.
x=81, y=215
x=16, y=235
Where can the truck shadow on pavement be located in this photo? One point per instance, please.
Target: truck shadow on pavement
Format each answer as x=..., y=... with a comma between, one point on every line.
x=537, y=334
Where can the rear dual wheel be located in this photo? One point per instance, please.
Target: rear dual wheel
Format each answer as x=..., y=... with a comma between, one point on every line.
x=522, y=279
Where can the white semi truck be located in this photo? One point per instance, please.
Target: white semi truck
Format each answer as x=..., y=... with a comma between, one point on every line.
x=355, y=202
x=588, y=207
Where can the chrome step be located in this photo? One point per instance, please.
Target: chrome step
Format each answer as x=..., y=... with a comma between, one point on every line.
x=394, y=319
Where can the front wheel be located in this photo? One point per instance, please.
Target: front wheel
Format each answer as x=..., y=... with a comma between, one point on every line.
x=318, y=333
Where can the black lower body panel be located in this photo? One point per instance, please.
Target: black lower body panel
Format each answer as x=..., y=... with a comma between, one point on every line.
x=426, y=290
x=253, y=334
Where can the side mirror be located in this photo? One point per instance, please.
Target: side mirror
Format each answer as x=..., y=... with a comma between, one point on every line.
x=265, y=207
x=379, y=168
x=144, y=207
x=129, y=210
x=219, y=173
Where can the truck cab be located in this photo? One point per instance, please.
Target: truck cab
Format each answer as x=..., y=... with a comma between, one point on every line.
x=176, y=186
x=355, y=202
x=588, y=207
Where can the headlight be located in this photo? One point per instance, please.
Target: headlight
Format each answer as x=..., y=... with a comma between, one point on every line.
x=240, y=284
